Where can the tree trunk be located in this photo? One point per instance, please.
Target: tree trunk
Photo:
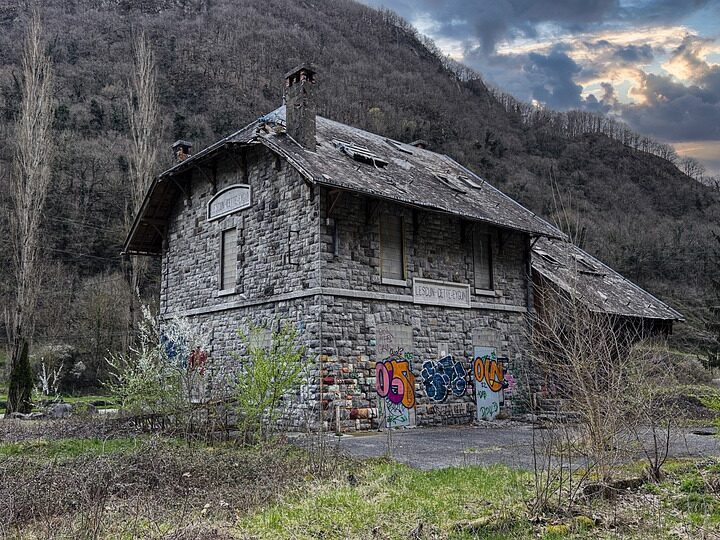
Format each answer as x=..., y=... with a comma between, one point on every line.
x=21, y=381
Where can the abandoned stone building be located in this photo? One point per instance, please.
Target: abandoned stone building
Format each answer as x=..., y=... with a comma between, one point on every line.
x=407, y=275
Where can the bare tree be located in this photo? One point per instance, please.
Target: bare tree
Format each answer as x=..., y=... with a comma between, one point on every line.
x=692, y=167
x=144, y=119
x=585, y=358
x=30, y=181
x=610, y=378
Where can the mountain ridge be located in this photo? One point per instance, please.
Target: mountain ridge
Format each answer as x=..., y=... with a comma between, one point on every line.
x=220, y=66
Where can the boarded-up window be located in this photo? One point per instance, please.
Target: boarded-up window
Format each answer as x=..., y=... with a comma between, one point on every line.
x=391, y=247
x=228, y=259
x=482, y=260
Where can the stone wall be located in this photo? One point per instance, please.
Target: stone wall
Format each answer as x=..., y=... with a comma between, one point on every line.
x=277, y=236
x=437, y=247
x=352, y=332
x=227, y=351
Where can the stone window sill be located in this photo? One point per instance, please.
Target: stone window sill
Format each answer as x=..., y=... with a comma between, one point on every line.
x=487, y=292
x=397, y=282
x=226, y=292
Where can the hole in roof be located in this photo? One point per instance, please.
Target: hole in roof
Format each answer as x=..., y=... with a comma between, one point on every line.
x=360, y=153
x=445, y=179
x=586, y=266
x=470, y=182
x=398, y=146
x=549, y=258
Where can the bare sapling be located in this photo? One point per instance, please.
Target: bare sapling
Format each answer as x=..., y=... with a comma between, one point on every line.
x=653, y=415
x=597, y=367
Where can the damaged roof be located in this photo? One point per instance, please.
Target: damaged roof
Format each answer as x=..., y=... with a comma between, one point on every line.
x=355, y=160
x=597, y=285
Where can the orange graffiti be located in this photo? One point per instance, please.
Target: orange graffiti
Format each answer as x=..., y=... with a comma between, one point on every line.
x=487, y=369
x=395, y=380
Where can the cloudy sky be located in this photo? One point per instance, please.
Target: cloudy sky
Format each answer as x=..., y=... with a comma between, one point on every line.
x=653, y=63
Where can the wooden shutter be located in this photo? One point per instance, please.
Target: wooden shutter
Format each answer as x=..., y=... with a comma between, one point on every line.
x=391, y=247
x=228, y=259
x=482, y=261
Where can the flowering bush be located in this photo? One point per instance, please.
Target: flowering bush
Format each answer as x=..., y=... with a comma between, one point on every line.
x=164, y=372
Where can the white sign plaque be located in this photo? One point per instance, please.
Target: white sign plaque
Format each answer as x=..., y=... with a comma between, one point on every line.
x=441, y=293
x=229, y=200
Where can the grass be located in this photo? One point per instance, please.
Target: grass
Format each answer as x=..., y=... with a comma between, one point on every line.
x=391, y=500
x=66, y=398
x=151, y=487
x=156, y=487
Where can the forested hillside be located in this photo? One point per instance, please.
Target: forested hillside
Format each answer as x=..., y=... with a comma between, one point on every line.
x=221, y=64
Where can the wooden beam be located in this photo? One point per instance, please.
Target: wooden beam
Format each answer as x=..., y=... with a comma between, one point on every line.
x=336, y=193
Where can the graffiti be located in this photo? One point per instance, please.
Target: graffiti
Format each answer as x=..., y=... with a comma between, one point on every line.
x=395, y=381
x=395, y=386
x=449, y=410
x=443, y=378
x=489, y=370
x=489, y=375
x=385, y=340
x=488, y=412
x=511, y=382
x=392, y=336
x=198, y=360
x=395, y=415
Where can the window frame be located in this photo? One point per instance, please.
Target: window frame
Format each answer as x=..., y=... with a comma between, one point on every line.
x=490, y=291
x=386, y=280
x=222, y=289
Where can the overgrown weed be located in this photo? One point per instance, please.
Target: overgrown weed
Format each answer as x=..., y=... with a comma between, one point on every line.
x=152, y=487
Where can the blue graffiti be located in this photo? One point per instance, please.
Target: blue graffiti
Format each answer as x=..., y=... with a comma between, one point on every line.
x=443, y=377
x=176, y=352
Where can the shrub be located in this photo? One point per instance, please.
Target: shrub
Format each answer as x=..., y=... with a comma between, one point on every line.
x=163, y=374
x=272, y=365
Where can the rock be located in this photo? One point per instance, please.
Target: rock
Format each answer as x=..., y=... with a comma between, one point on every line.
x=59, y=410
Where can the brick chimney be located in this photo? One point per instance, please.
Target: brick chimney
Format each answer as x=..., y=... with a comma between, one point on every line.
x=300, y=106
x=181, y=150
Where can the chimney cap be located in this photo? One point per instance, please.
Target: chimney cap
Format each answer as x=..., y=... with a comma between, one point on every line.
x=181, y=143
x=305, y=66
x=420, y=143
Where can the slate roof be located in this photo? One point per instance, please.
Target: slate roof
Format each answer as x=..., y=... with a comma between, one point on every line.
x=597, y=285
x=352, y=159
